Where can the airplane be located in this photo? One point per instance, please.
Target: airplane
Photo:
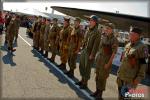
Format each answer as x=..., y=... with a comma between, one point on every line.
x=121, y=21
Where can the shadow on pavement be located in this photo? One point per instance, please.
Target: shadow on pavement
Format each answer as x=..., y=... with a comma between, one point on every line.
x=61, y=78
x=8, y=59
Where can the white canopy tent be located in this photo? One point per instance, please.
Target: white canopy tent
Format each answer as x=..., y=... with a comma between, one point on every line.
x=33, y=12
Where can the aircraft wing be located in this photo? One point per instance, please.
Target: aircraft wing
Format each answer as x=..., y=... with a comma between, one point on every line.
x=121, y=21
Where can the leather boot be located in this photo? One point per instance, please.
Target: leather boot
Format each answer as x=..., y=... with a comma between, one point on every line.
x=95, y=93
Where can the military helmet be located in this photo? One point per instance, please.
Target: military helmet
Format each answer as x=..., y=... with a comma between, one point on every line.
x=78, y=19
x=40, y=16
x=48, y=19
x=94, y=17
x=66, y=19
x=136, y=30
x=55, y=19
x=111, y=25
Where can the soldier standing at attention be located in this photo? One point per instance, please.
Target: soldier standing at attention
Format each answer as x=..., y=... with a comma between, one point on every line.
x=42, y=32
x=65, y=34
x=37, y=32
x=46, y=44
x=52, y=38
x=88, y=54
x=132, y=69
x=74, y=46
x=107, y=51
x=34, y=25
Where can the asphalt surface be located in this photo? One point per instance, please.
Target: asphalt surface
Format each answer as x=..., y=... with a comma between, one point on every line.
x=26, y=74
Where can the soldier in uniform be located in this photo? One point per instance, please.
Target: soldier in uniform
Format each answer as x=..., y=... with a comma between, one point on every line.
x=37, y=32
x=107, y=50
x=65, y=34
x=74, y=46
x=34, y=25
x=132, y=69
x=91, y=43
x=46, y=43
x=52, y=38
x=7, y=21
x=12, y=28
x=42, y=32
x=18, y=25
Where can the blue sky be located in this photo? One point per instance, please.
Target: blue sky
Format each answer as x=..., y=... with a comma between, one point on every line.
x=139, y=8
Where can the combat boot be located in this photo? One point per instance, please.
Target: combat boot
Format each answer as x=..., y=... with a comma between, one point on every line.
x=52, y=59
x=63, y=67
x=6, y=42
x=70, y=73
x=84, y=84
x=12, y=50
x=95, y=93
x=99, y=95
x=59, y=66
x=9, y=48
x=41, y=51
x=46, y=54
x=79, y=83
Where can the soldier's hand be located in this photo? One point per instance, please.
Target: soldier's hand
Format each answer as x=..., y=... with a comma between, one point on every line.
x=76, y=51
x=91, y=57
x=135, y=82
x=106, y=66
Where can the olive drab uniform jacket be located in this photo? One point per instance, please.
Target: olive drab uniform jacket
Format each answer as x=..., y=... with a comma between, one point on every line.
x=133, y=62
x=42, y=30
x=18, y=23
x=46, y=43
x=107, y=46
x=75, y=40
x=65, y=34
x=92, y=40
x=90, y=43
x=53, y=33
x=12, y=28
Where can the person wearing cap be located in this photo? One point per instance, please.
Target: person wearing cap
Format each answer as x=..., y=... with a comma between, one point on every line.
x=42, y=32
x=74, y=47
x=91, y=43
x=46, y=33
x=36, y=34
x=106, y=53
x=52, y=38
x=64, y=36
x=132, y=69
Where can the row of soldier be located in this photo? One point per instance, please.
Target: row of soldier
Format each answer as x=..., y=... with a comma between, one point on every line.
x=68, y=40
x=96, y=47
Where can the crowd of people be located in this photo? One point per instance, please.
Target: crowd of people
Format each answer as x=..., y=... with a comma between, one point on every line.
x=98, y=46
